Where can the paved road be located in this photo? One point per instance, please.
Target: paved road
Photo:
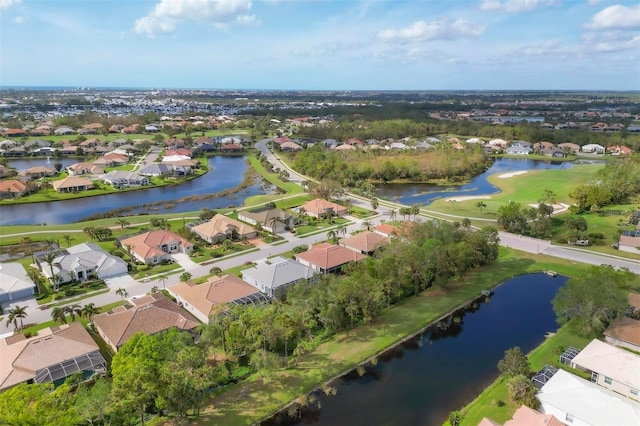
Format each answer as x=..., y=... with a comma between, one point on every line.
x=531, y=245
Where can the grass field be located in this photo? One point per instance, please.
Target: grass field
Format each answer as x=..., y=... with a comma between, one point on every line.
x=259, y=397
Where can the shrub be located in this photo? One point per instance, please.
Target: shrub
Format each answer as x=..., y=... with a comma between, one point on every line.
x=300, y=249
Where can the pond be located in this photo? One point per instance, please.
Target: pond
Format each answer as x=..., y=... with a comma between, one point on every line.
x=421, y=193
x=227, y=173
x=422, y=380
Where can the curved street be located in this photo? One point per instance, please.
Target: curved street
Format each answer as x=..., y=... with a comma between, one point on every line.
x=133, y=287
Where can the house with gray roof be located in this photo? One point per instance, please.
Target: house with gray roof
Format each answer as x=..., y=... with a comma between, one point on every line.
x=273, y=276
x=156, y=169
x=518, y=150
x=15, y=282
x=81, y=262
x=123, y=179
x=273, y=220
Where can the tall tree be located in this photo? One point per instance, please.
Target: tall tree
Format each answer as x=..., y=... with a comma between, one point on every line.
x=48, y=258
x=480, y=205
x=89, y=310
x=123, y=223
x=59, y=314
x=513, y=363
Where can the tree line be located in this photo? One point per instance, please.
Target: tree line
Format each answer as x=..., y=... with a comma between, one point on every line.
x=172, y=372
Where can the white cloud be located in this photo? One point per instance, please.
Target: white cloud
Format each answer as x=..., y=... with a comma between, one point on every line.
x=7, y=3
x=435, y=30
x=616, y=17
x=167, y=14
x=18, y=20
x=514, y=6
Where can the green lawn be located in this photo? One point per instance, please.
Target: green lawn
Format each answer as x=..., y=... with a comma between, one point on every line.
x=315, y=226
x=258, y=398
x=147, y=271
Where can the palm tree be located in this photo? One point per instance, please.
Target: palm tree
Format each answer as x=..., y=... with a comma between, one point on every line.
x=392, y=214
x=89, y=310
x=73, y=310
x=59, y=314
x=122, y=293
x=415, y=211
x=367, y=225
x=26, y=243
x=123, y=224
x=67, y=239
x=342, y=229
x=49, y=258
x=374, y=203
x=302, y=213
x=163, y=279
x=185, y=276
x=273, y=222
x=331, y=235
x=15, y=314
x=215, y=270
x=90, y=231
x=348, y=204
x=480, y=205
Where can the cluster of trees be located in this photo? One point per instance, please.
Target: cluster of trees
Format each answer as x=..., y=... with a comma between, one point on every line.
x=614, y=184
x=513, y=217
x=352, y=167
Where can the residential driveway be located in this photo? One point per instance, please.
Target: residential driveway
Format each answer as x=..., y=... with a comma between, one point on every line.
x=184, y=261
x=120, y=281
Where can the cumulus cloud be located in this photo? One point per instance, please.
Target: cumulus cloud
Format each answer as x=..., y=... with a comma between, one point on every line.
x=514, y=6
x=18, y=20
x=169, y=13
x=435, y=30
x=7, y=3
x=616, y=17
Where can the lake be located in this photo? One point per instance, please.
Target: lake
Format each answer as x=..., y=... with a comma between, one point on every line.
x=227, y=173
x=421, y=381
x=421, y=193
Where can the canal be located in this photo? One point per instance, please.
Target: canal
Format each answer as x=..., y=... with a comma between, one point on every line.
x=420, y=381
x=226, y=173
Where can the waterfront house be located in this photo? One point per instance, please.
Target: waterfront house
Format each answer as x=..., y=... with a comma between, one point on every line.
x=321, y=208
x=221, y=227
x=82, y=262
x=53, y=355
x=122, y=179
x=273, y=220
x=569, y=148
x=200, y=299
x=15, y=282
x=150, y=314
x=325, y=258
x=231, y=147
x=365, y=242
x=84, y=168
x=593, y=148
x=37, y=172
x=610, y=367
x=619, y=150
x=72, y=184
x=155, y=246
x=578, y=402
x=624, y=333
x=12, y=188
x=525, y=416
x=273, y=276
x=156, y=169
x=518, y=150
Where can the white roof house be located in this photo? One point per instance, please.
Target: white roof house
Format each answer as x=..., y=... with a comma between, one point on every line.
x=276, y=275
x=14, y=282
x=579, y=402
x=82, y=261
x=611, y=367
x=594, y=148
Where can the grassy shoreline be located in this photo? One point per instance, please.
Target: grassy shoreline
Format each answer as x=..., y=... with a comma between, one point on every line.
x=260, y=397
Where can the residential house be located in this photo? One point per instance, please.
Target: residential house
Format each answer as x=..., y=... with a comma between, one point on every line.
x=12, y=188
x=122, y=179
x=541, y=147
x=624, y=333
x=321, y=208
x=525, y=416
x=569, y=148
x=37, y=172
x=325, y=257
x=111, y=159
x=64, y=131
x=155, y=246
x=275, y=275
x=182, y=167
x=365, y=242
x=593, y=148
x=345, y=147
x=518, y=150
x=498, y=143
x=199, y=299
x=386, y=230
x=149, y=314
x=14, y=133
x=221, y=227
x=81, y=262
x=629, y=241
x=578, y=402
x=79, y=169
x=53, y=355
x=610, y=367
x=182, y=153
x=619, y=150
x=231, y=147
x=15, y=282
x=129, y=130
x=156, y=169
x=273, y=220
x=330, y=143
x=72, y=184
x=4, y=171
x=290, y=146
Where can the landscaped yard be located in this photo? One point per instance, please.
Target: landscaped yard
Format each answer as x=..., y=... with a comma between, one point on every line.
x=226, y=248
x=143, y=271
x=313, y=225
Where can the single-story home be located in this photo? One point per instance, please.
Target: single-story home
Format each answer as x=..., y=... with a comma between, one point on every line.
x=199, y=299
x=12, y=188
x=221, y=227
x=569, y=147
x=365, y=242
x=156, y=169
x=124, y=179
x=149, y=314
x=274, y=276
x=325, y=257
x=231, y=147
x=290, y=146
x=576, y=401
x=525, y=416
x=84, y=168
x=72, y=184
x=36, y=172
x=624, y=333
x=53, y=355
x=386, y=230
x=320, y=208
x=518, y=150
x=593, y=148
x=15, y=282
x=82, y=262
x=610, y=367
x=629, y=241
x=155, y=246
x=274, y=220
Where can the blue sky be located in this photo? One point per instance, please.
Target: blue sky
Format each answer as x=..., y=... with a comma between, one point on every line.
x=322, y=44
